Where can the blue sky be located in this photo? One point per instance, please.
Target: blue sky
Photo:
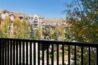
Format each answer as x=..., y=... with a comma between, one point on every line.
x=47, y=8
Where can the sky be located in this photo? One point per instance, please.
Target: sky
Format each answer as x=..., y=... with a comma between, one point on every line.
x=45, y=8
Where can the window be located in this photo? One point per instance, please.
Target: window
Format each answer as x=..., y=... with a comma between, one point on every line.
x=35, y=21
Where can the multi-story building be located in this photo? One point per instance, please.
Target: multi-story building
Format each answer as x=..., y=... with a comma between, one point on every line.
x=35, y=20
x=12, y=16
x=36, y=23
x=44, y=24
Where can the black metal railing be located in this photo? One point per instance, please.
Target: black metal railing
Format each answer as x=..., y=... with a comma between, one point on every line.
x=39, y=52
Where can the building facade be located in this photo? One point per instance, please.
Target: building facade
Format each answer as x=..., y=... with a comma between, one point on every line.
x=41, y=27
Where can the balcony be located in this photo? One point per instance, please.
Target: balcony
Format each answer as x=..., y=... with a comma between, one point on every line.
x=40, y=52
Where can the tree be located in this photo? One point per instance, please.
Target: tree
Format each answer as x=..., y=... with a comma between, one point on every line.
x=21, y=29
x=83, y=24
x=38, y=33
x=26, y=29
x=60, y=32
x=4, y=28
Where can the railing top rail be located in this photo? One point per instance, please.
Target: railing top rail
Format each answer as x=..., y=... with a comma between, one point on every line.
x=52, y=42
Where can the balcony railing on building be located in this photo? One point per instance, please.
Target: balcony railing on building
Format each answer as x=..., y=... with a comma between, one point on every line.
x=39, y=52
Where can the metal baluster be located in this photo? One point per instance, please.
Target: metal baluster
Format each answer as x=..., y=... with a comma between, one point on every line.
x=89, y=55
x=8, y=52
x=96, y=55
x=62, y=54
x=13, y=52
x=3, y=52
x=57, y=54
x=39, y=54
x=68, y=54
x=81, y=55
x=75, y=56
x=23, y=51
x=17, y=52
x=52, y=60
x=42, y=53
x=30, y=53
x=47, y=55
x=34, y=55
x=5, y=57
x=26, y=53
x=0, y=52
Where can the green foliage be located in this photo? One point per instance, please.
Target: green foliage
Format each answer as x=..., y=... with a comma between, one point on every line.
x=4, y=28
x=38, y=33
x=21, y=29
x=83, y=26
x=52, y=33
x=26, y=29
